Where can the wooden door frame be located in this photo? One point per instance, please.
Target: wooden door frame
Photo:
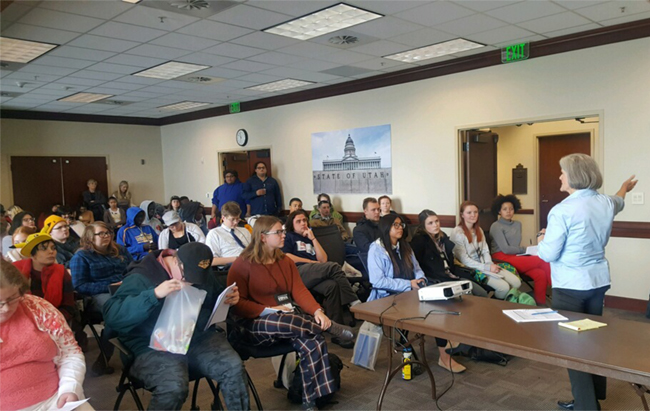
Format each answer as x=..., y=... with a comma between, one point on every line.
x=239, y=150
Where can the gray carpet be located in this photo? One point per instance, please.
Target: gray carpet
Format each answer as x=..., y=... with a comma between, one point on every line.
x=521, y=385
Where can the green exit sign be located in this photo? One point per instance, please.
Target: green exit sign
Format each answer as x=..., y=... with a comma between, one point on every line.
x=515, y=52
x=235, y=107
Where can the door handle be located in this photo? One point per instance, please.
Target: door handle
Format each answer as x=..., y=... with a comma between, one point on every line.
x=544, y=201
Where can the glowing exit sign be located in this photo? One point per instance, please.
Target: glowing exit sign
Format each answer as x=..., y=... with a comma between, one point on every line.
x=516, y=52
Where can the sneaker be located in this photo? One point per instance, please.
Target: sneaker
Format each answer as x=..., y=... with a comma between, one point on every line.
x=309, y=406
x=343, y=343
x=341, y=331
x=100, y=367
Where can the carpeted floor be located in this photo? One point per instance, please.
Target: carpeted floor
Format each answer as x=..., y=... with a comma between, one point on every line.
x=521, y=385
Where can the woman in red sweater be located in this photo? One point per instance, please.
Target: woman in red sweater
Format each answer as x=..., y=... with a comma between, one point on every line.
x=277, y=306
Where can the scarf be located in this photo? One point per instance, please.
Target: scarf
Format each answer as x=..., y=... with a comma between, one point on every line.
x=51, y=277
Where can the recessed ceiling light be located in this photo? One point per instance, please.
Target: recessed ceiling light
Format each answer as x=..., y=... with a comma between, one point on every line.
x=22, y=51
x=280, y=85
x=331, y=19
x=170, y=70
x=183, y=105
x=435, y=50
x=85, y=97
x=132, y=1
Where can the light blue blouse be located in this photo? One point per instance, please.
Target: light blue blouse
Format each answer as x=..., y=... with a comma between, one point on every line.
x=380, y=271
x=578, y=231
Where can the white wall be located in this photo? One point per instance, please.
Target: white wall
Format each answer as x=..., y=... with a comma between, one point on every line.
x=122, y=145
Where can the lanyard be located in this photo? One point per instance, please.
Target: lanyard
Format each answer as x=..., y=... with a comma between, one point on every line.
x=286, y=283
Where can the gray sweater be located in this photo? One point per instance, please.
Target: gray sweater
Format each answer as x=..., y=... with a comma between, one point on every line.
x=506, y=237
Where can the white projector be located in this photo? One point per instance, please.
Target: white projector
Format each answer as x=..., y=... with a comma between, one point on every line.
x=445, y=291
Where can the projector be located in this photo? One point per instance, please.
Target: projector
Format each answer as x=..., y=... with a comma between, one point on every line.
x=445, y=291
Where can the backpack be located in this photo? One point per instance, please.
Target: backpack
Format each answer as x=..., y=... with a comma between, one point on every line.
x=516, y=296
x=295, y=388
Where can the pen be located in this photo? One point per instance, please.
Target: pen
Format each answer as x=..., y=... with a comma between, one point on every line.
x=544, y=312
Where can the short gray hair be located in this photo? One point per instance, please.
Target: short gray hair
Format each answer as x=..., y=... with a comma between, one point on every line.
x=582, y=171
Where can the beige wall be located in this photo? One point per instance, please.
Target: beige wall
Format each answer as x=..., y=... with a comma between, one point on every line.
x=425, y=117
x=122, y=145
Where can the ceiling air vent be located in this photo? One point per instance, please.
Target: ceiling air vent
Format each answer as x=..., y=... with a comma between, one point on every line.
x=198, y=79
x=114, y=102
x=193, y=78
x=191, y=4
x=9, y=95
x=343, y=40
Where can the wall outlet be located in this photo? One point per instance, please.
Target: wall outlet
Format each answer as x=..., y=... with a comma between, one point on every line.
x=637, y=198
x=207, y=195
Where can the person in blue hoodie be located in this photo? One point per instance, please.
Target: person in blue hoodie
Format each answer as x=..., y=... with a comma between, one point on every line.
x=137, y=237
x=231, y=190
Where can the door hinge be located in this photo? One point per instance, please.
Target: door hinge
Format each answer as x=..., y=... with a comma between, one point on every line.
x=466, y=146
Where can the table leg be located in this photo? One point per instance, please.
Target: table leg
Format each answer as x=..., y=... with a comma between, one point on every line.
x=641, y=391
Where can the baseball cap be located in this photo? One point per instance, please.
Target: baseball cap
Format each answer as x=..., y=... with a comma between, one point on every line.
x=171, y=217
x=197, y=260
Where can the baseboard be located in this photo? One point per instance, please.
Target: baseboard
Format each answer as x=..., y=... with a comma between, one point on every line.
x=627, y=304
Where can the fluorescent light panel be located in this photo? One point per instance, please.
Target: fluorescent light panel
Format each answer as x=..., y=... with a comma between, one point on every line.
x=22, y=51
x=280, y=85
x=322, y=22
x=85, y=97
x=132, y=1
x=183, y=105
x=435, y=50
x=170, y=70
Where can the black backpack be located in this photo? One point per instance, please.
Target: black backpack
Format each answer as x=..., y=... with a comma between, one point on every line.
x=295, y=387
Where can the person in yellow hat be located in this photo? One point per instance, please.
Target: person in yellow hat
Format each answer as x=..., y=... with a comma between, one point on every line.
x=59, y=229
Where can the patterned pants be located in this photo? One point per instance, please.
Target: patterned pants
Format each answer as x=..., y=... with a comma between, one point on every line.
x=166, y=375
x=305, y=336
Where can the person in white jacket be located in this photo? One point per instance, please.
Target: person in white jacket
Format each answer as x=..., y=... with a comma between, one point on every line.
x=178, y=232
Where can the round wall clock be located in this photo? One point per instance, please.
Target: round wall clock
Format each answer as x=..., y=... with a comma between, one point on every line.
x=242, y=137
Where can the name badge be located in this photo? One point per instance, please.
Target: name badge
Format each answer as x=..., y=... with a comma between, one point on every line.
x=285, y=300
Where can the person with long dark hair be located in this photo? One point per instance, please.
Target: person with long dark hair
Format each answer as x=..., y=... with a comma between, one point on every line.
x=262, y=192
x=22, y=219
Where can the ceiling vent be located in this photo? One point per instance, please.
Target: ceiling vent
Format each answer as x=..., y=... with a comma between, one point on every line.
x=193, y=78
x=191, y=4
x=343, y=40
x=7, y=94
x=114, y=102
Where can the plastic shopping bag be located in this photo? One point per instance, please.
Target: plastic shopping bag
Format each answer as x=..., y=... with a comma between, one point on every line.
x=367, y=345
x=177, y=319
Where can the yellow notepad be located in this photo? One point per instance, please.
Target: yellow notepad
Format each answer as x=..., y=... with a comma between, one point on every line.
x=582, y=325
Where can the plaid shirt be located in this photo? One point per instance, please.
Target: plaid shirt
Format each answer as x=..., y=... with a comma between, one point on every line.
x=92, y=272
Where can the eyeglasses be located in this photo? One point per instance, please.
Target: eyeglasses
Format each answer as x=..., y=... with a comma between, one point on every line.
x=103, y=234
x=278, y=232
x=63, y=227
x=399, y=225
x=28, y=219
x=11, y=301
x=260, y=168
x=230, y=176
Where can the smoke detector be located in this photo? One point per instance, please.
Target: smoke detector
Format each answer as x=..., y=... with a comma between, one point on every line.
x=343, y=40
x=191, y=4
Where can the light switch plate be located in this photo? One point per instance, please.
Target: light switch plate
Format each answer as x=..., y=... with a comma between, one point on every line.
x=637, y=198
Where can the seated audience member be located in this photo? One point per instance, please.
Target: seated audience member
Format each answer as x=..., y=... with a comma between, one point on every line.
x=76, y=227
x=99, y=263
x=323, y=217
x=174, y=204
x=86, y=217
x=178, y=233
x=385, y=204
x=123, y=196
x=133, y=312
x=367, y=230
x=42, y=366
x=295, y=204
x=41, y=218
x=94, y=200
x=505, y=234
x=324, y=197
x=149, y=208
x=50, y=280
x=4, y=232
x=228, y=240
x=262, y=192
x=265, y=276
x=12, y=254
x=193, y=212
x=137, y=237
x=435, y=252
x=472, y=251
x=13, y=211
x=394, y=270
x=22, y=219
x=319, y=275
x=230, y=190
x=184, y=200
x=58, y=228
x=114, y=216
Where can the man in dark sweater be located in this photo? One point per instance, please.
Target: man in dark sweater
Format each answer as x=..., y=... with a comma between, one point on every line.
x=367, y=229
x=134, y=309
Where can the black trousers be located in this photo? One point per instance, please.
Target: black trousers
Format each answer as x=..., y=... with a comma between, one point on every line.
x=329, y=280
x=587, y=388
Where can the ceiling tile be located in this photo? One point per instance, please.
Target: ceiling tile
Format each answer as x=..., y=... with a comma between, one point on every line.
x=577, y=4
x=264, y=41
x=612, y=9
x=33, y=33
x=292, y=8
x=185, y=42
x=260, y=78
x=536, y=37
x=272, y=57
x=233, y=50
x=206, y=59
x=48, y=60
x=103, y=43
x=571, y=30
x=378, y=64
x=434, y=13
x=526, y=10
x=421, y=38
x=62, y=21
x=13, y=12
x=286, y=72
x=80, y=53
x=380, y=48
x=97, y=75
x=141, y=94
x=150, y=17
x=500, y=35
x=347, y=71
x=214, y=30
x=11, y=105
x=106, y=90
x=250, y=17
x=484, y=5
x=308, y=49
x=470, y=25
x=115, y=68
x=150, y=50
x=17, y=75
x=127, y=32
x=38, y=69
x=386, y=7
x=101, y=9
x=223, y=72
x=85, y=82
x=63, y=86
x=347, y=57
x=245, y=65
x=475, y=51
x=137, y=61
x=148, y=81
x=556, y=22
x=385, y=27
x=625, y=19
x=311, y=64
x=55, y=92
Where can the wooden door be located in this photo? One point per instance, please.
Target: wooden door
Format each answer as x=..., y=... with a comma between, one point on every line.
x=480, y=172
x=551, y=150
x=237, y=161
x=37, y=183
x=256, y=156
x=76, y=173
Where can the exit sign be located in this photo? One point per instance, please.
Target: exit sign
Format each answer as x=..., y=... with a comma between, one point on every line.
x=515, y=52
x=235, y=107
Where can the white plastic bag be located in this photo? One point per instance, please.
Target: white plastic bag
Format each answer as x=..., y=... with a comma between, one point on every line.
x=177, y=320
x=367, y=346
x=290, y=364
